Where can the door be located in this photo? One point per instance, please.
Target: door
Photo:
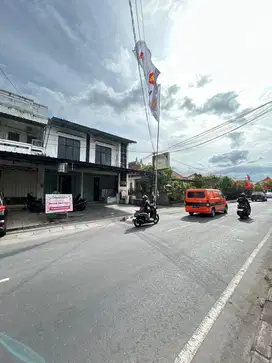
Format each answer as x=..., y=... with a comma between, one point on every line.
x=65, y=184
x=96, y=189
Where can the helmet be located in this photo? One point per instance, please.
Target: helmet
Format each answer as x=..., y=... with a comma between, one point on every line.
x=242, y=195
x=144, y=197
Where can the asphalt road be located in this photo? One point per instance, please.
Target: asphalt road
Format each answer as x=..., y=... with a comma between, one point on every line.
x=123, y=295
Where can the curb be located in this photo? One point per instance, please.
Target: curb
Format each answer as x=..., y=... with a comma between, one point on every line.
x=261, y=350
x=49, y=225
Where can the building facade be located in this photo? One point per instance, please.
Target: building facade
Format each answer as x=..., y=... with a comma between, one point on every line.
x=39, y=155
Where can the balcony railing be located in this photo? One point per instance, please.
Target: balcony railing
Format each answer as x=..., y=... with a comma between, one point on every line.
x=23, y=107
x=21, y=147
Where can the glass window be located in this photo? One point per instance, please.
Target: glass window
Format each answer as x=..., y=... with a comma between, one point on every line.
x=13, y=136
x=68, y=148
x=102, y=155
x=196, y=195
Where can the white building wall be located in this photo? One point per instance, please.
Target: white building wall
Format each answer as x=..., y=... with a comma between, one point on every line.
x=51, y=141
x=22, y=107
x=115, y=150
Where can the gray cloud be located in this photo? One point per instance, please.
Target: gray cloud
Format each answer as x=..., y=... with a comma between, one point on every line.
x=236, y=139
x=234, y=157
x=256, y=172
x=168, y=97
x=219, y=104
x=201, y=81
x=188, y=104
x=119, y=102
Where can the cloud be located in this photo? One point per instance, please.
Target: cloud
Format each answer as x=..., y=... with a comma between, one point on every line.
x=86, y=72
x=234, y=157
x=168, y=99
x=201, y=81
x=236, y=139
x=100, y=95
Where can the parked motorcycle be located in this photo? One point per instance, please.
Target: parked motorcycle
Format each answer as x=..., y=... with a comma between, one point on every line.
x=33, y=204
x=79, y=203
x=243, y=211
x=141, y=218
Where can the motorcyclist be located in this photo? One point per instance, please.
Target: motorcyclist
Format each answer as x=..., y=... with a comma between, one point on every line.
x=145, y=207
x=242, y=199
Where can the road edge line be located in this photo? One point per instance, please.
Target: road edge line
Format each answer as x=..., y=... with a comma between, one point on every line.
x=190, y=349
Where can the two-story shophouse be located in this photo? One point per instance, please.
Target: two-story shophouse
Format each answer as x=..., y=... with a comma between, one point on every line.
x=40, y=155
x=22, y=125
x=90, y=162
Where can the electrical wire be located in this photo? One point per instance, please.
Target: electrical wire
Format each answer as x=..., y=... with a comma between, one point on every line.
x=216, y=128
x=13, y=85
x=225, y=133
x=139, y=70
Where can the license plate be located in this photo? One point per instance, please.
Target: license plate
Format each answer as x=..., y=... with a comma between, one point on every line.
x=240, y=210
x=196, y=206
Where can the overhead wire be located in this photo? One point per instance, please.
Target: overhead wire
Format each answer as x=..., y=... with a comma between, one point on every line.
x=9, y=80
x=225, y=133
x=216, y=128
x=139, y=70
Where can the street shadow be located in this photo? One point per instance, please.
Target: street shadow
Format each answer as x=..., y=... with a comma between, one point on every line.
x=202, y=218
x=248, y=220
x=134, y=229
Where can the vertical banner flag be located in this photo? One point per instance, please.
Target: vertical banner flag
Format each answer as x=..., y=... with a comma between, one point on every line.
x=154, y=101
x=143, y=56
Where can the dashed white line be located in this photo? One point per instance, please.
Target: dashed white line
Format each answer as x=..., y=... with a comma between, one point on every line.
x=4, y=280
x=191, y=347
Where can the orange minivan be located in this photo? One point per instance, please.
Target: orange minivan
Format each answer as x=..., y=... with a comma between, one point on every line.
x=205, y=201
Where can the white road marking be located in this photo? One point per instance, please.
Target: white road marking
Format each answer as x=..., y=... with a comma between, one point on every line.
x=179, y=227
x=191, y=347
x=4, y=280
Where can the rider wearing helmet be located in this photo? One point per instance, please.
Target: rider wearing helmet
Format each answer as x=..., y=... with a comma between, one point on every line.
x=145, y=207
x=242, y=199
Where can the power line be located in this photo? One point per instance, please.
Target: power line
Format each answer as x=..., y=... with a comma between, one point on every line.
x=13, y=85
x=225, y=133
x=218, y=127
x=139, y=70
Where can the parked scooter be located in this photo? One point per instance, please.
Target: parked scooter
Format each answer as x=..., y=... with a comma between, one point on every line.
x=243, y=211
x=79, y=203
x=33, y=204
x=141, y=218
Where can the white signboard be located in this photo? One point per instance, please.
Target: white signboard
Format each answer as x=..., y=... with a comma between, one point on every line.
x=162, y=160
x=58, y=203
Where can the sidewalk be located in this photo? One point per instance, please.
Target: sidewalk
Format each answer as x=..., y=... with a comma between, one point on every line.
x=262, y=347
x=22, y=220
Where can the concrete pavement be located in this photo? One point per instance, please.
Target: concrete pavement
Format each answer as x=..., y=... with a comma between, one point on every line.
x=114, y=293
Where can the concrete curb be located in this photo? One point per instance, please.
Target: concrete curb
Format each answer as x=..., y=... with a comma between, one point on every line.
x=261, y=351
x=73, y=224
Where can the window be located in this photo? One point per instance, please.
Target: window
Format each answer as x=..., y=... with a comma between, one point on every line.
x=13, y=136
x=196, y=195
x=29, y=139
x=68, y=148
x=123, y=155
x=102, y=155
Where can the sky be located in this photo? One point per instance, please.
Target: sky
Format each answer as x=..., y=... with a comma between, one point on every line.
x=214, y=57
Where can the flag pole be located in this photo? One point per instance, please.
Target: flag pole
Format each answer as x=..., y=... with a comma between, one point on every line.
x=156, y=161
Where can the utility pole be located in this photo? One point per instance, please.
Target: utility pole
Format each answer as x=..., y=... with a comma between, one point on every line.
x=156, y=162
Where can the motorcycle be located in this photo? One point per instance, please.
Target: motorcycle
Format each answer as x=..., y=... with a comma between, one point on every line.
x=79, y=203
x=141, y=218
x=33, y=204
x=243, y=211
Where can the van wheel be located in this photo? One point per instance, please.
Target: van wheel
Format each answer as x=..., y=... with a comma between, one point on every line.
x=191, y=213
x=213, y=212
x=226, y=210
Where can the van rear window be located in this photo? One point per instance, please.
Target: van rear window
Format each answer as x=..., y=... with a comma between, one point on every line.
x=196, y=195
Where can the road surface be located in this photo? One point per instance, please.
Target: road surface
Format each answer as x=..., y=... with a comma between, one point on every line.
x=116, y=294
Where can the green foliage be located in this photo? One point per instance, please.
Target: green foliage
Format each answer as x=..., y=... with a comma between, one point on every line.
x=177, y=188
